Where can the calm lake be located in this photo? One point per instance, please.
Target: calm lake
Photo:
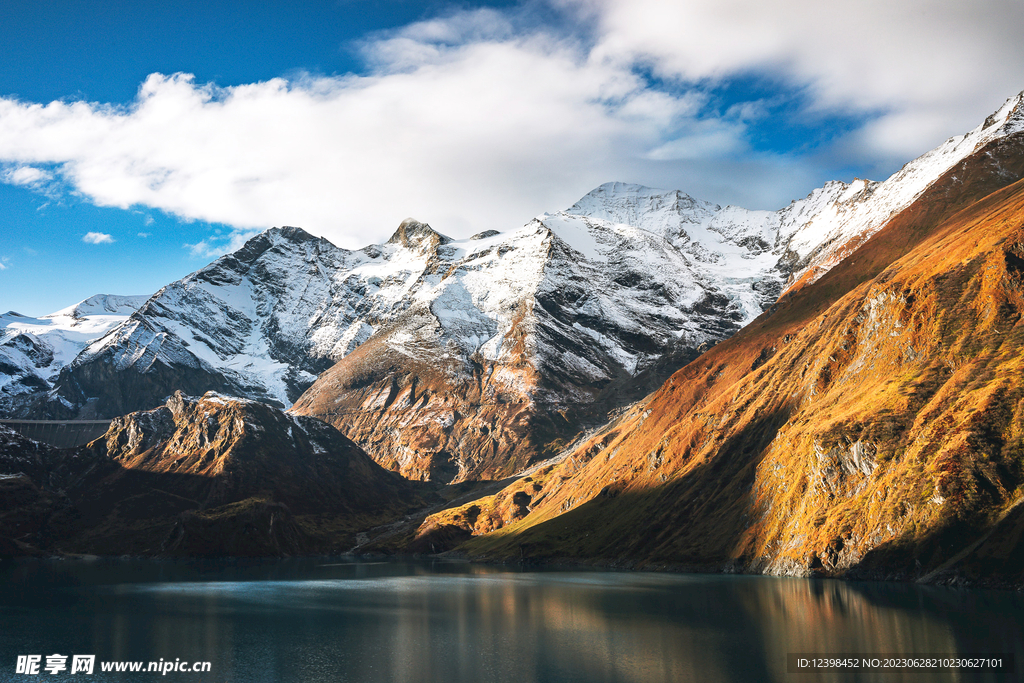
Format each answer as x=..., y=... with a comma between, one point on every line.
x=342, y=620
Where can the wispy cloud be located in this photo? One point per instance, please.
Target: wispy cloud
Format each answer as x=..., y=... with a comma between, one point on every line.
x=37, y=179
x=3, y=262
x=27, y=176
x=924, y=69
x=199, y=249
x=219, y=244
x=144, y=235
x=97, y=238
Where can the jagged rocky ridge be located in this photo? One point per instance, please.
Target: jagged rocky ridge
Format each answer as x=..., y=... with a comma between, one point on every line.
x=605, y=323
x=868, y=425
x=532, y=333
x=198, y=476
x=265, y=321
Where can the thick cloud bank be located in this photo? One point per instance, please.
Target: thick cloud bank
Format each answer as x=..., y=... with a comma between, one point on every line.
x=476, y=121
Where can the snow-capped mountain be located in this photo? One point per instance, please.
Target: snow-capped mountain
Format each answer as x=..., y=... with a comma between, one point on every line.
x=266, y=320
x=583, y=307
x=33, y=350
x=831, y=222
x=499, y=333
x=811, y=235
x=869, y=426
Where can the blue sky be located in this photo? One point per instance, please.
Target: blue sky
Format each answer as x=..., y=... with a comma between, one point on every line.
x=140, y=140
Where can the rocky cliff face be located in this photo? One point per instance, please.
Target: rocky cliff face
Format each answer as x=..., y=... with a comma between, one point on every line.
x=869, y=424
x=225, y=449
x=210, y=476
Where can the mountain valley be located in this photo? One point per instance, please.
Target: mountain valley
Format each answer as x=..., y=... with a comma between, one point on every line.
x=830, y=389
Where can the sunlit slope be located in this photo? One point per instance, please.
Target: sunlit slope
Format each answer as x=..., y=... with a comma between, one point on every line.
x=870, y=422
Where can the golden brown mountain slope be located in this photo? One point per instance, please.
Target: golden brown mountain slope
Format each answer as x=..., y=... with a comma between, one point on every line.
x=432, y=422
x=871, y=423
x=430, y=418
x=218, y=476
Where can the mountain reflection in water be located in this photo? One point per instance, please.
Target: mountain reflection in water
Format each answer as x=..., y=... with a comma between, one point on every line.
x=306, y=620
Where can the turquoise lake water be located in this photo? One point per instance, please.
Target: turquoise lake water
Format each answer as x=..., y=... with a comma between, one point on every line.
x=344, y=620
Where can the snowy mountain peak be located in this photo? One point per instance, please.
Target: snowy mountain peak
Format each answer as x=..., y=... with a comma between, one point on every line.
x=413, y=234
x=33, y=350
x=631, y=204
x=1010, y=116
x=101, y=304
x=285, y=236
x=806, y=238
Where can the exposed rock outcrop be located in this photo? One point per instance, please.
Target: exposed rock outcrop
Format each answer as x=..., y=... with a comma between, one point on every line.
x=201, y=476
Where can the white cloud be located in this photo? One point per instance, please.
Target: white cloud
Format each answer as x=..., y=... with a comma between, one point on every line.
x=702, y=140
x=929, y=68
x=31, y=177
x=144, y=235
x=3, y=263
x=218, y=244
x=27, y=176
x=465, y=133
x=478, y=120
x=97, y=238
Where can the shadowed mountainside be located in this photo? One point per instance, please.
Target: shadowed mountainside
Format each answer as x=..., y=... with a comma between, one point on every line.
x=208, y=476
